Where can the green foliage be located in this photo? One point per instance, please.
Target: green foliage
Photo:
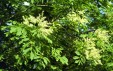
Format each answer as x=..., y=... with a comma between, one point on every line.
x=56, y=35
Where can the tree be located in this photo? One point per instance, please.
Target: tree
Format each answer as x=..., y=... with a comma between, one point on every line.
x=61, y=35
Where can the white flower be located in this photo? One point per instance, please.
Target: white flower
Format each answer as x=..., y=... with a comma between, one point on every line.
x=26, y=3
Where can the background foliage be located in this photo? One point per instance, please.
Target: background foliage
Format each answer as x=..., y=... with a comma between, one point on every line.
x=56, y=35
